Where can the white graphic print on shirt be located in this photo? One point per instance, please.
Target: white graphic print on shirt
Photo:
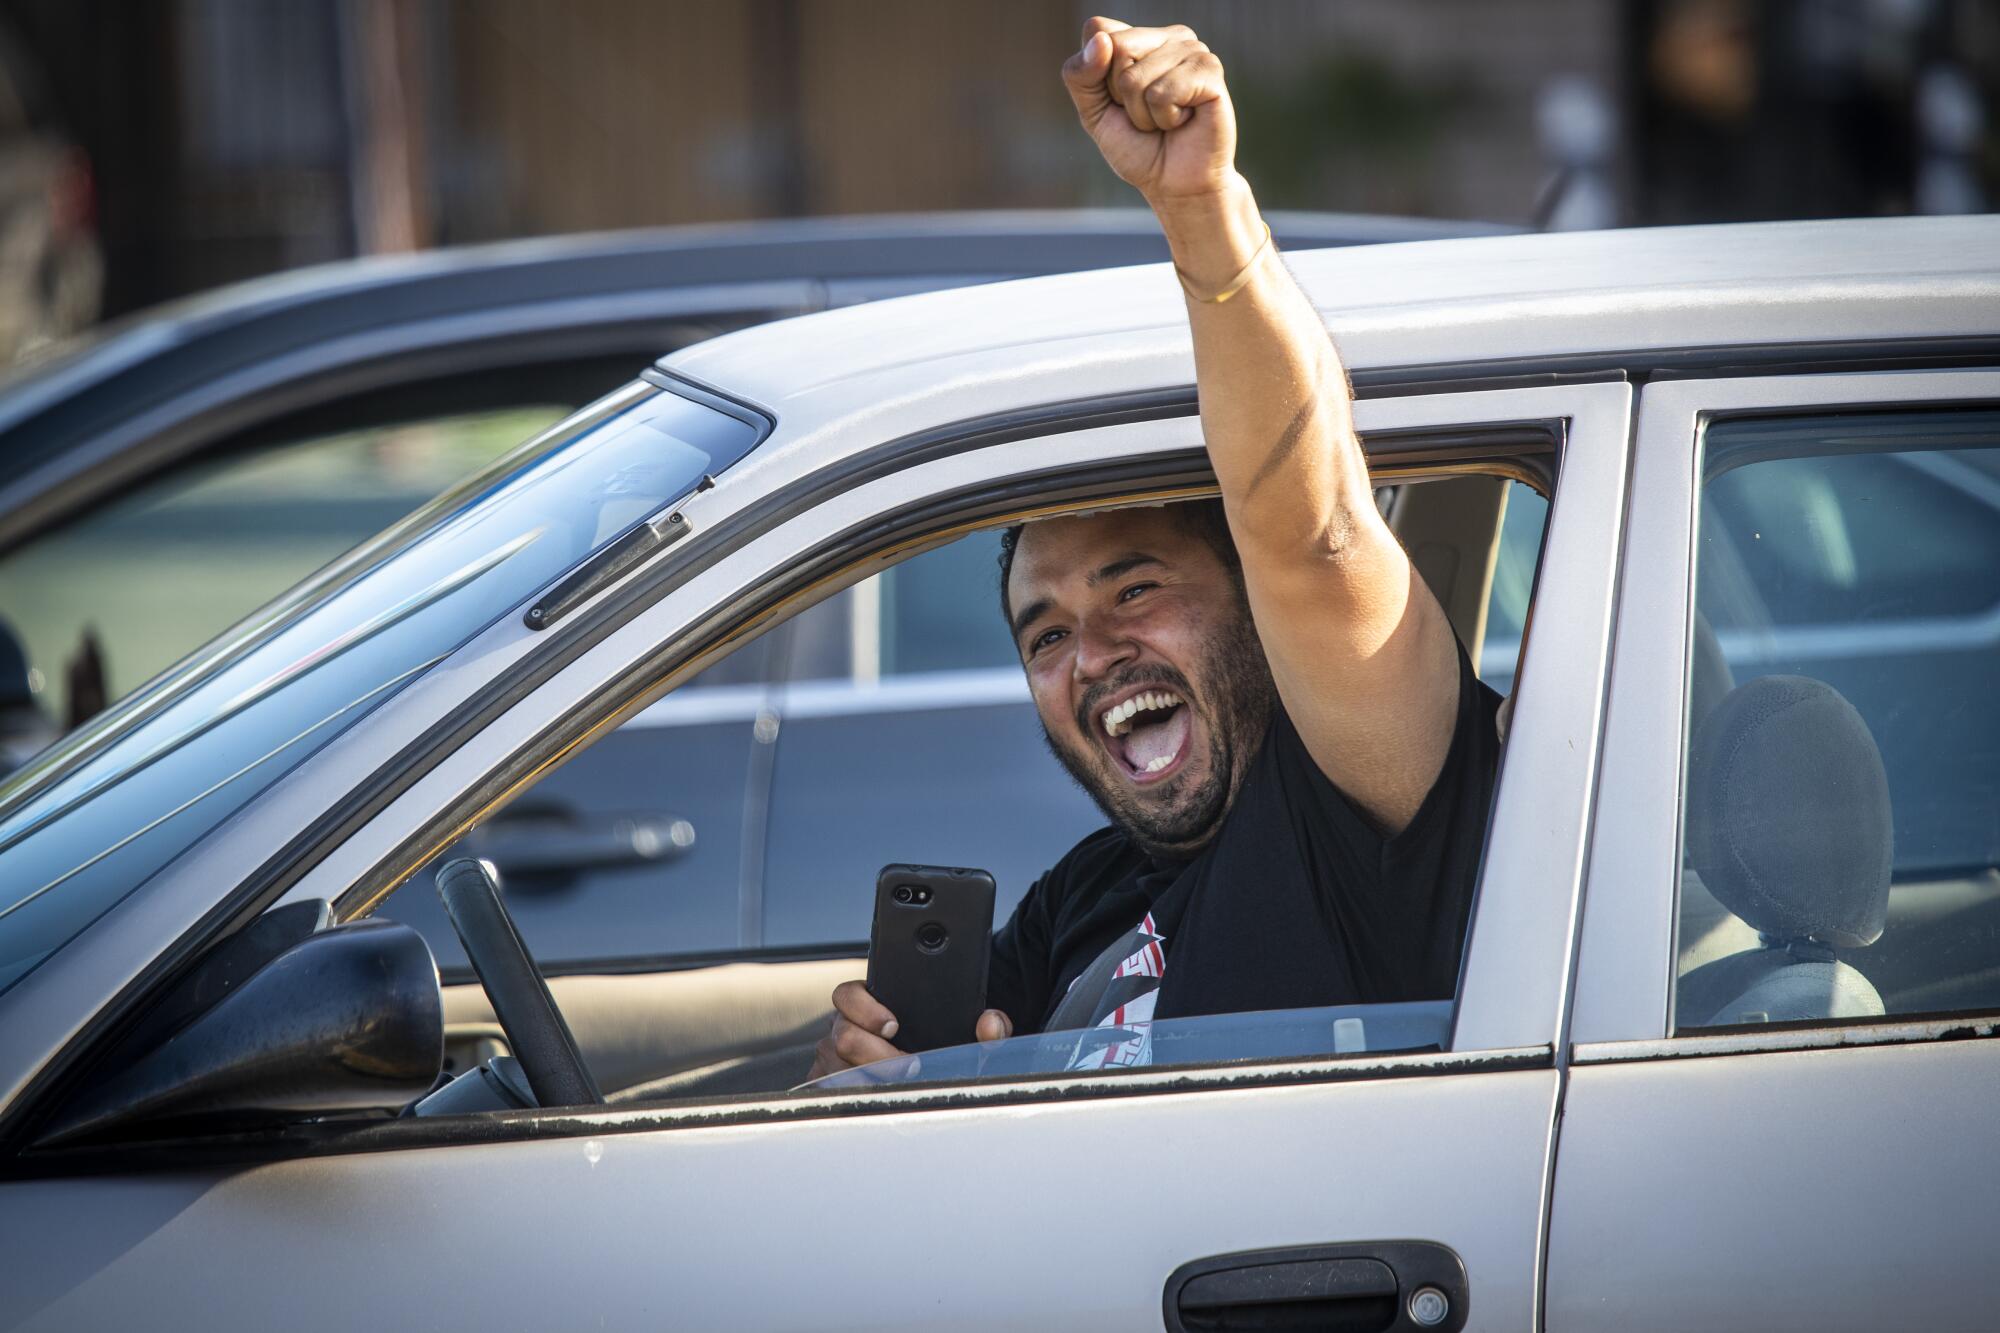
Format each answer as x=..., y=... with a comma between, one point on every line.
x=1129, y=1040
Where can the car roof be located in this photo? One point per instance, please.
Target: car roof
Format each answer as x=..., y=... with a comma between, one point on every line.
x=1528, y=301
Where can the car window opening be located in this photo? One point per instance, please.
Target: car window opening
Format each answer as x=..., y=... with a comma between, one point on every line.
x=890, y=722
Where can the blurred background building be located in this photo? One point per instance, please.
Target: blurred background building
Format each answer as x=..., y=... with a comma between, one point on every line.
x=157, y=149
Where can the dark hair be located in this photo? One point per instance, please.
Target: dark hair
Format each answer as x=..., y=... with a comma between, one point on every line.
x=1203, y=518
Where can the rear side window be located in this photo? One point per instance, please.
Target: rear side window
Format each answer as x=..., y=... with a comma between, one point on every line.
x=1842, y=799
x=1862, y=539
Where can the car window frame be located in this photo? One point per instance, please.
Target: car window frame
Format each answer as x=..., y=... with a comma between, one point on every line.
x=1428, y=421
x=710, y=605
x=1625, y=980
x=1429, y=429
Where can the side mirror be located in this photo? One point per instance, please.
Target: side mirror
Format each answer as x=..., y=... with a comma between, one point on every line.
x=342, y=1020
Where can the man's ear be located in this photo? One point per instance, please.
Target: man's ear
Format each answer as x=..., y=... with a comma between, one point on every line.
x=1504, y=718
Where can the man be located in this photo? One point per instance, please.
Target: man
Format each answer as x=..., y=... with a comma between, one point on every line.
x=1267, y=701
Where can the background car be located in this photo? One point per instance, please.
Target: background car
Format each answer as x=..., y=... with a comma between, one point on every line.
x=1703, y=955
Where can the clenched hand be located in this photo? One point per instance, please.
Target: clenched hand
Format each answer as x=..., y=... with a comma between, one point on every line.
x=1154, y=101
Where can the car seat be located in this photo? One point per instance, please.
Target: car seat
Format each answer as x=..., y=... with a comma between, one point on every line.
x=1789, y=827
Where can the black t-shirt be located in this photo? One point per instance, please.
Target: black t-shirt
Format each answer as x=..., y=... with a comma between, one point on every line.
x=1298, y=902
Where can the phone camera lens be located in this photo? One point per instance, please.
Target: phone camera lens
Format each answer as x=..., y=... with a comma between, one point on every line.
x=904, y=893
x=932, y=937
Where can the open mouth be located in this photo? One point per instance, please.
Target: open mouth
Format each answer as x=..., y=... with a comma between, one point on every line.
x=1148, y=733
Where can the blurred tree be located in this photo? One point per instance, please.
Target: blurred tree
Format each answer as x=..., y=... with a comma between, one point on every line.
x=1349, y=130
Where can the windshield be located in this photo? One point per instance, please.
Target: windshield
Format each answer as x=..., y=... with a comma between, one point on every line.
x=97, y=815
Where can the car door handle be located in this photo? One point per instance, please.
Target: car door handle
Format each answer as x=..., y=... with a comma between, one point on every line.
x=1387, y=1285
x=537, y=853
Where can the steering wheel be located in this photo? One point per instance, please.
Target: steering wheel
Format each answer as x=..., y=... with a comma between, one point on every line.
x=534, y=1026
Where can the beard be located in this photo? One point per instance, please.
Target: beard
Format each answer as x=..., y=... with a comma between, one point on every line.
x=1179, y=816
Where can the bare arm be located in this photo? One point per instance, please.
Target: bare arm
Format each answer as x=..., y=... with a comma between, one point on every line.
x=1362, y=654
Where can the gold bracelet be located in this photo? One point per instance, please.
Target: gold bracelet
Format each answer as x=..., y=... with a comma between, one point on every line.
x=1237, y=283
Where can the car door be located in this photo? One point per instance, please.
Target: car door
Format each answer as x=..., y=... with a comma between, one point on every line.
x=1066, y=1202
x=1807, y=1145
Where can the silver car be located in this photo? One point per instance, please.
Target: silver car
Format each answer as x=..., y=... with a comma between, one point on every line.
x=1723, y=1049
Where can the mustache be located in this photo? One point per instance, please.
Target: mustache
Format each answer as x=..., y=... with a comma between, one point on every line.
x=1154, y=673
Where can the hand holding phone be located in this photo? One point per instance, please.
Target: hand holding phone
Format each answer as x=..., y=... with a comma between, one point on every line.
x=864, y=1031
x=927, y=952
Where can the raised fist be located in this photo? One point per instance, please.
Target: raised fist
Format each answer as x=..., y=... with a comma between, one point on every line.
x=1154, y=101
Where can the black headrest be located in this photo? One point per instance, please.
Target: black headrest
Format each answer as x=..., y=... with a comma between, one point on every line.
x=1788, y=812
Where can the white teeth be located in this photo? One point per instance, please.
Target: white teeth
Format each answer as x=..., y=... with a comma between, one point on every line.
x=1159, y=763
x=1117, y=720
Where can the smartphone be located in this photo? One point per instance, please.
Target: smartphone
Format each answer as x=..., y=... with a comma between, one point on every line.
x=927, y=951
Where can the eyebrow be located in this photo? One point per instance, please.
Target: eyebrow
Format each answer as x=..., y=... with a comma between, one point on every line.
x=1029, y=615
x=1123, y=565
